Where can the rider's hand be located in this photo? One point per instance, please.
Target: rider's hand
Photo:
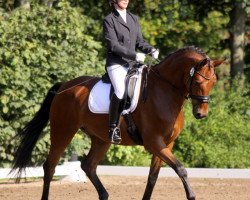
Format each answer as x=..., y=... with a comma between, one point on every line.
x=155, y=53
x=140, y=57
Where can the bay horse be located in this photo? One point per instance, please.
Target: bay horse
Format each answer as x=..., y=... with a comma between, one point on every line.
x=188, y=72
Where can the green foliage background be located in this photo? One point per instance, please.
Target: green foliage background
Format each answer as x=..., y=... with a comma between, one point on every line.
x=42, y=46
x=37, y=49
x=222, y=139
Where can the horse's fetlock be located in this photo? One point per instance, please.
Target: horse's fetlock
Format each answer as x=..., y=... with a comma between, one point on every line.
x=191, y=197
x=104, y=196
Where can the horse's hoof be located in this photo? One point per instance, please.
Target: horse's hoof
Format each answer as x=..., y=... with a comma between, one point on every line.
x=104, y=197
x=191, y=197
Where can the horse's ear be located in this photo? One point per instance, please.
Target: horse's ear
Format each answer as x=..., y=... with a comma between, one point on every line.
x=217, y=63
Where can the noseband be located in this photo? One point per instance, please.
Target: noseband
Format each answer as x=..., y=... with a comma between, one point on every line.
x=201, y=99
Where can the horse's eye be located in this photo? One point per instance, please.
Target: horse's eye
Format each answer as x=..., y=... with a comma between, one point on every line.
x=197, y=82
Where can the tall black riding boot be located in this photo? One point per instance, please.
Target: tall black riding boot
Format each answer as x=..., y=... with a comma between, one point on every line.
x=114, y=116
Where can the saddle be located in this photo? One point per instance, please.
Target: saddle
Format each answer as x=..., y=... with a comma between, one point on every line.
x=131, y=80
x=132, y=91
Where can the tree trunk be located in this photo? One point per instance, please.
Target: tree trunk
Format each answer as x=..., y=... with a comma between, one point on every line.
x=48, y=3
x=237, y=33
x=22, y=3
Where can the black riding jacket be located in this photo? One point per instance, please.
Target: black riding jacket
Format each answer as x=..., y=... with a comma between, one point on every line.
x=123, y=39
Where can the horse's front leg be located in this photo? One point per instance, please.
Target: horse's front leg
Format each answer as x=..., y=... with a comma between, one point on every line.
x=165, y=153
x=89, y=164
x=155, y=167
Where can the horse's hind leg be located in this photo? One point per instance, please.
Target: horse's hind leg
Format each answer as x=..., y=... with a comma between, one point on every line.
x=90, y=162
x=155, y=167
x=60, y=138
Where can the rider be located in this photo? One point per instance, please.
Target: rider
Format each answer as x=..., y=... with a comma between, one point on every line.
x=122, y=33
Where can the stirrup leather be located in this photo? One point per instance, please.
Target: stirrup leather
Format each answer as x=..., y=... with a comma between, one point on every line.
x=115, y=135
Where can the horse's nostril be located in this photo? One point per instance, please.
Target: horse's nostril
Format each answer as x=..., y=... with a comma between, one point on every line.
x=200, y=115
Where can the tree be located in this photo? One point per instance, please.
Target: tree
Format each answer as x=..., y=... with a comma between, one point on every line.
x=24, y=3
x=237, y=11
x=237, y=34
x=48, y=3
x=38, y=48
x=8, y=5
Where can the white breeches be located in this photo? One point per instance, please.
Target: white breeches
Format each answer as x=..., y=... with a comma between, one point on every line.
x=117, y=75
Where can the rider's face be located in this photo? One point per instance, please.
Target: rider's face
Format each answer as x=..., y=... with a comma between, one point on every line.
x=123, y=4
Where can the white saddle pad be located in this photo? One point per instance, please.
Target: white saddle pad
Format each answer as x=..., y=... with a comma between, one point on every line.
x=99, y=96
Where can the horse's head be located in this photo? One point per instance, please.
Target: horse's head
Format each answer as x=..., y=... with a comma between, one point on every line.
x=200, y=82
x=191, y=73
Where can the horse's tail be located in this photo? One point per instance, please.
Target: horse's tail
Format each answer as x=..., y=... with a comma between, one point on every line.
x=30, y=134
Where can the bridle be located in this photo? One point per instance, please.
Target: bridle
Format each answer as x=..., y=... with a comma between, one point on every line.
x=194, y=70
x=200, y=65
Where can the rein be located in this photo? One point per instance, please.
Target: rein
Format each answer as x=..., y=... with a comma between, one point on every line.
x=57, y=93
x=168, y=82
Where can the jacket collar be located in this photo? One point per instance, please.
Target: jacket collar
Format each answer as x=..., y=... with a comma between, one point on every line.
x=120, y=20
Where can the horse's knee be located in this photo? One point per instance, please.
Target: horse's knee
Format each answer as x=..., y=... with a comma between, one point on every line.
x=87, y=167
x=84, y=166
x=45, y=166
x=48, y=169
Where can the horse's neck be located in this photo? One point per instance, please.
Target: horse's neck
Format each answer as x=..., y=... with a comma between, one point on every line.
x=168, y=89
x=176, y=69
x=173, y=74
x=166, y=99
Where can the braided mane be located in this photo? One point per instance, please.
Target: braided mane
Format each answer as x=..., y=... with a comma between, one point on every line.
x=186, y=49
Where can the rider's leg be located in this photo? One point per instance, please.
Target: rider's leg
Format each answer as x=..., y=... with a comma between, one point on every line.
x=117, y=74
x=114, y=116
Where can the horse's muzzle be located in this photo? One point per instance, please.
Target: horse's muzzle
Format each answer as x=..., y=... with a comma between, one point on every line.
x=199, y=115
x=200, y=111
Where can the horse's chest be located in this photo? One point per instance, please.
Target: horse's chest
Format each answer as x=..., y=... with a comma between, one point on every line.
x=173, y=129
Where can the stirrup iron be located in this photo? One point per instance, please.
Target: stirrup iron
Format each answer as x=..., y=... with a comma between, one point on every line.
x=115, y=135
